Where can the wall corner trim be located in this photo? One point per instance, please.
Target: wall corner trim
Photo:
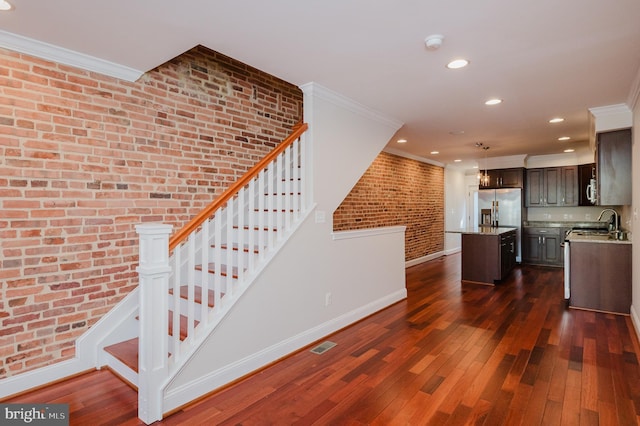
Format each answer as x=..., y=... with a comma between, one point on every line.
x=316, y=90
x=65, y=56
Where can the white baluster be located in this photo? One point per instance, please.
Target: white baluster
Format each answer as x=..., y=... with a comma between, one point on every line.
x=261, y=214
x=280, y=178
x=204, y=260
x=296, y=179
x=251, y=224
x=217, y=259
x=271, y=205
x=287, y=188
x=191, y=285
x=229, y=257
x=241, y=224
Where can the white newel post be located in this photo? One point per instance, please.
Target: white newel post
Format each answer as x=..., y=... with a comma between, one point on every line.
x=153, y=273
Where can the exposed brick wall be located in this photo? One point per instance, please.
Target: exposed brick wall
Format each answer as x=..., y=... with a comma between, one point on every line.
x=398, y=191
x=85, y=157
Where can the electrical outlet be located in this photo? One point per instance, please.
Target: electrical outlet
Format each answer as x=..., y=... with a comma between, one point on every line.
x=327, y=299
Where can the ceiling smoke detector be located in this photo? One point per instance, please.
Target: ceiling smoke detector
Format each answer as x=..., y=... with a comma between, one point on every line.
x=433, y=42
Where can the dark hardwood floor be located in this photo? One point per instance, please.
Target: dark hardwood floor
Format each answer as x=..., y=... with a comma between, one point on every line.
x=448, y=355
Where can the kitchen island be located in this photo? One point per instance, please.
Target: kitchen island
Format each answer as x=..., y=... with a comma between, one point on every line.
x=488, y=253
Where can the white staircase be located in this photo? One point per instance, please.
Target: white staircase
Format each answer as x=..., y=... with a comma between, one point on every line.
x=187, y=285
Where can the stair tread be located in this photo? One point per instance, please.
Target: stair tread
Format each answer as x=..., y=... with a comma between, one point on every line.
x=234, y=247
x=197, y=294
x=126, y=352
x=223, y=270
x=184, y=325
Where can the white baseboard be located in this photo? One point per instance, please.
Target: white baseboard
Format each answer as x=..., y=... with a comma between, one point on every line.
x=635, y=320
x=42, y=376
x=184, y=394
x=423, y=259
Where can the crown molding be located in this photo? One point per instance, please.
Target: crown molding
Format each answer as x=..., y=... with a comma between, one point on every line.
x=612, y=117
x=65, y=56
x=403, y=154
x=634, y=94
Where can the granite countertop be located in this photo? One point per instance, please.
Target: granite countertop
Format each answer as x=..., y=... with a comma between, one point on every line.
x=484, y=230
x=595, y=238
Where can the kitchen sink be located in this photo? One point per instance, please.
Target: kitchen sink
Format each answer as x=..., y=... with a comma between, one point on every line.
x=590, y=232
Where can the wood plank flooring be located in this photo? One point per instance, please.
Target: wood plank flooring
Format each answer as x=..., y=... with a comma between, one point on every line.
x=450, y=354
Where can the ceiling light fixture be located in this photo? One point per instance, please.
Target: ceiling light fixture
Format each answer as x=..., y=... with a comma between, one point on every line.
x=457, y=63
x=435, y=152
x=556, y=120
x=494, y=101
x=483, y=178
x=5, y=5
x=434, y=41
x=569, y=150
x=401, y=141
x=564, y=138
x=457, y=160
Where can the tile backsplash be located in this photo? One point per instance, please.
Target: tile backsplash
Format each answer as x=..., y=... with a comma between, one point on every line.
x=565, y=214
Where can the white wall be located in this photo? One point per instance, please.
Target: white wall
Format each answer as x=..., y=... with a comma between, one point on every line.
x=455, y=208
x=634, y=223
x=361, y=271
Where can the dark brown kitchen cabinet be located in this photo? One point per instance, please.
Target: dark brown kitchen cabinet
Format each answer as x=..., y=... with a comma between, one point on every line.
x=504, y=178
x=586, y=172
x=542, y=246
x=569, y=186
x=614, y=168
x=600, y=276
x=552, y=187
x=507, y=253
x=488, y=257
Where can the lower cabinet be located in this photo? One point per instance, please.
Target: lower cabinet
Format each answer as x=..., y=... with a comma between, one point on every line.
x=542, y=246
x=487, y=258
x=600, y=276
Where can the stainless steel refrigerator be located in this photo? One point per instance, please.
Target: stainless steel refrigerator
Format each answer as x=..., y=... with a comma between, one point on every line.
x=501, y=207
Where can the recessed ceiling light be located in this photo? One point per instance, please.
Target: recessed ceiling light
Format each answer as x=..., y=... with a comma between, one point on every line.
x=556, y=120
x=494, y=101
x=457, y=160
x=569, y=150
x=5, y=5
x=402, y=141
x=435, y=152
x=457, y=63
x=564, y=138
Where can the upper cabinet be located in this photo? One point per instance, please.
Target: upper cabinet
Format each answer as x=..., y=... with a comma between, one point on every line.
x=504, y=178
x=614, y=168
x=552, y=187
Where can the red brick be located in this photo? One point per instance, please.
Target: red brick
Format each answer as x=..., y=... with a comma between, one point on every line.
x=83, y=152
x=398, y=191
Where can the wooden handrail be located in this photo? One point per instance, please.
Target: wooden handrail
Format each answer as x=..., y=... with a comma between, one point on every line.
x=194, y=223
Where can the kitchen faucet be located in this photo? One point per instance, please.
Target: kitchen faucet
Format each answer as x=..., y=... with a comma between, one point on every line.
x=615, y=216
